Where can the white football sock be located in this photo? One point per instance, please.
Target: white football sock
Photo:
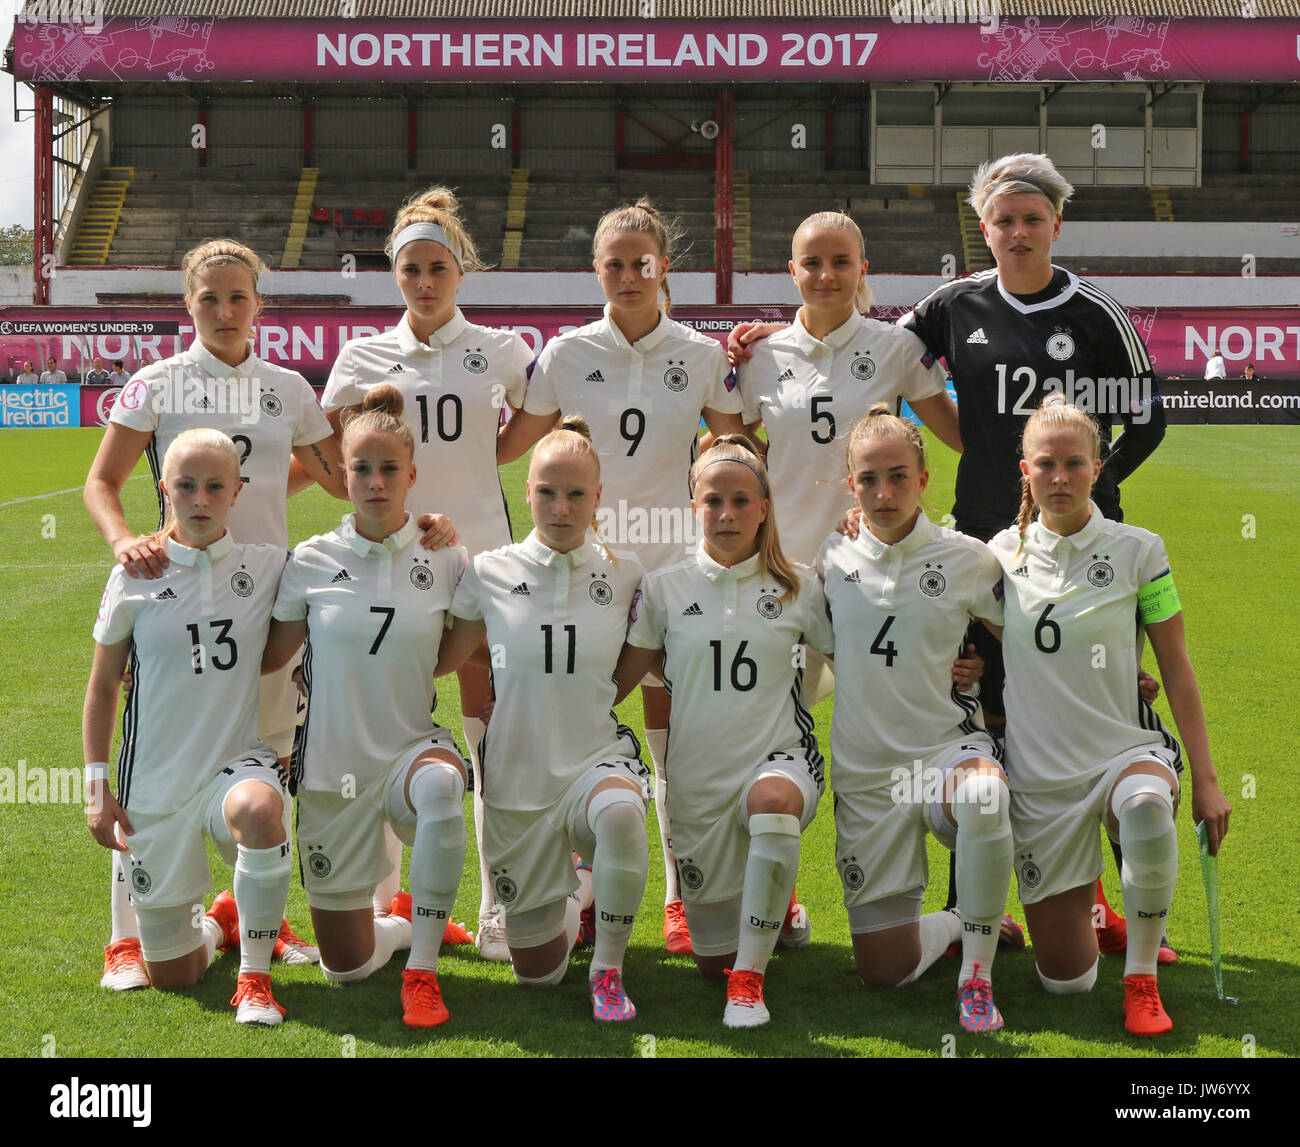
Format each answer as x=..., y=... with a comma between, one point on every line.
x=391, y=933
x=382, y=898
x=1150, y=870
x=261, y=890
x=938, y=930
x=213, y=937
x=657, y=742
x=770, y=874
x=121, y=914
x=474, y=729
x=437, y=796
x=616, y=817
x=981, y=808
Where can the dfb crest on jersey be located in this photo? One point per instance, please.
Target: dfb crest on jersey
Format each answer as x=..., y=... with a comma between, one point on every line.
x=506, y=888
x=1100, y=573
x=675, y=379
x=271, y=404
x=599, y=591
x=1030, y=874
x=863, y=368
x=421, y=577
x=141, y=881
x=769, y=606
x=475, y=363
x=1060, y=346
x=241, y=582
x=691, y=876
x=319, y=863
x=853, y=877
x=932, y=582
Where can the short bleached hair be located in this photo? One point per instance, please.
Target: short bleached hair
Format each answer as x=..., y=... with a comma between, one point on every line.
x=1025, y=173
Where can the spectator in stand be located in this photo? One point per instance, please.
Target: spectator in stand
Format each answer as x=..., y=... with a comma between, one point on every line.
x=119, y=375
x=1250, y=374
x=1215, y=368
x=97, y=375
x=27, y=376
x=52, y=373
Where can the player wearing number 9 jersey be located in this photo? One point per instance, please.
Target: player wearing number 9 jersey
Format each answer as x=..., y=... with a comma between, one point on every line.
x=909, y=747
x=560, y=774
x=729, y=624
x=371, y=603
x=190, y=766
x=643, y=382
x=1082, y=592
x=456, y=378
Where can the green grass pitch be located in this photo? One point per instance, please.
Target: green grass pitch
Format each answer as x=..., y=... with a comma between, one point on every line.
x=1224, y=498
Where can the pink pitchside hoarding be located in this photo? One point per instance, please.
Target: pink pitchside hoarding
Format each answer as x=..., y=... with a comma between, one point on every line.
x=1037, y=48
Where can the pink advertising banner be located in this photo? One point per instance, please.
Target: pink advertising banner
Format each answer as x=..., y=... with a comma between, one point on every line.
x=308, y=339
x=983, y=47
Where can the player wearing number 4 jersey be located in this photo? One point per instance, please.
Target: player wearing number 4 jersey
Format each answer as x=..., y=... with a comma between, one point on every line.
x=1082, y=592
x=909, y=749
x=189, y=766
x=643, y=382
x=729, y=625
x=371, y=604
x=456, y=378
x=560, y=774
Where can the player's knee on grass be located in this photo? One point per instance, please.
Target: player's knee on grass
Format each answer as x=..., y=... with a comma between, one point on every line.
x=886, y=941
x=171, y=940
x=715, y=935
x=1075, y=987
x=539, y=950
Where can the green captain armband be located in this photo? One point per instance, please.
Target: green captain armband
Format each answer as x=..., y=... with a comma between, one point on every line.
x=1158, y=600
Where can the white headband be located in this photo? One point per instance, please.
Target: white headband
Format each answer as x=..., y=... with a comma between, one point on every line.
x=432, y=231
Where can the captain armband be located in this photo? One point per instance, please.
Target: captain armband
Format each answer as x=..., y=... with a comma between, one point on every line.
x=1158, y=600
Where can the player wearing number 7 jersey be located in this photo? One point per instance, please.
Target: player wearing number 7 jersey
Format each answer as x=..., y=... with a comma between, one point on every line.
x=729, y=625
x=1082, y=594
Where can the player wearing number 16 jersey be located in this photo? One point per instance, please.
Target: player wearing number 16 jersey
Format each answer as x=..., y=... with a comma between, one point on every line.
x=729, y=623
x=560, y=774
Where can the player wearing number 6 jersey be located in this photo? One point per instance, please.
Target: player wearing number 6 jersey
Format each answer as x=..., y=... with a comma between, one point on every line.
x=643, y=382
x=1082, y=592
x=371, y=603
x=190, y=766
x=729, y=625
x=560, y=774
x=456, y=378
x=909, y=748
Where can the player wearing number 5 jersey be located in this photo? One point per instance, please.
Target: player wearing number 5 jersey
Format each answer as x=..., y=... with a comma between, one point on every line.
x=643, y=382
x=456, y=378
x=190, y=767
x=909, y=747
x=729, y=624
x=371, y=603
x=560, y=774
x=1082, y=592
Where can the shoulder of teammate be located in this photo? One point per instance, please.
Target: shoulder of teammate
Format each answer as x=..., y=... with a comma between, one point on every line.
x=115, y=618
x=136, y=407
x=929, y=317
x=1117, y=328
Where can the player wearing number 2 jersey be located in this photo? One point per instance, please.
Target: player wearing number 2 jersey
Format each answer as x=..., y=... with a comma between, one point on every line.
x=729, y=623
x=1082, y=591
x=559, y=772
x=371, y=603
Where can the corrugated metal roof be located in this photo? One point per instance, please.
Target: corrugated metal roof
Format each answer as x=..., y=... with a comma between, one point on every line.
x=668, y=9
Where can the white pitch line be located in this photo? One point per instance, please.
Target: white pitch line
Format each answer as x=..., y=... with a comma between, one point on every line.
x=58, y=493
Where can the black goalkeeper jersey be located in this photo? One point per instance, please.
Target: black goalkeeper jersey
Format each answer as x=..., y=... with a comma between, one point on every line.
x=1006, y=353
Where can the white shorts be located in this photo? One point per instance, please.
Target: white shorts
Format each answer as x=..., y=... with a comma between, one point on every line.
x=280, y=708
x=711, y=855
x=1055, y=833
x=167, y=864
x=880, y=834
x=528, y=851
x=342, y=853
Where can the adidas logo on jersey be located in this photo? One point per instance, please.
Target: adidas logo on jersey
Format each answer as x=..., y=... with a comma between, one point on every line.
x=522, y=590
x=978, y=336
x=396, y=368
x=693, y=610
x=168, y=594
x=855, y=576
x=1023, y=571
x=786, y=375
x=342, y=575
x=595, y=376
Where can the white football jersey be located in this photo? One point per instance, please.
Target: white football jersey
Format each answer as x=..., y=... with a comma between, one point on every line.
x=643, y=402
x=1072, y=646
x=900, y=614
x=455, y=387
x=197, y=633
x=555, y=627
x=734, y=665
x=266, y=409
x=809, y=393
x=375, y=616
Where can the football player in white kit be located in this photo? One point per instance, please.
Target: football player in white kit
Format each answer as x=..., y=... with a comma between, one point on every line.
x=1082, y=594
x=455, y=377
x=643, y=382
x=908, y=746
x=284, y=445
x=560, y=773
x=371, y=603
x=727, y=629
x=190, y=766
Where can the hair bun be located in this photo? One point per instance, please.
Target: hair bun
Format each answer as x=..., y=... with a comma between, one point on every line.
x=577, y=424
x=385, y=399
x=877, y=409
x=740, y=440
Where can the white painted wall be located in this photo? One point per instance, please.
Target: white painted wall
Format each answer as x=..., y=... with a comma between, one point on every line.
x=16, y=286
x=1180, y=240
